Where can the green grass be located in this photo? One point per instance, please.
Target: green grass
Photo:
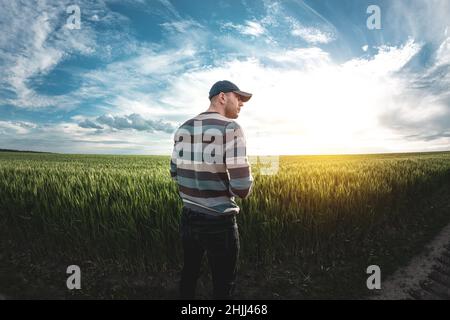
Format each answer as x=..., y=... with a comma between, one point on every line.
x=325, y=217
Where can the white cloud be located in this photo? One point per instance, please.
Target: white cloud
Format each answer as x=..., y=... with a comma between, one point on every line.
x=443, y=53
x=16, y=127
x=251, y=28
x=128, y=122
x=34, y=42
x=139, y=84
x=423, y=20
x=301, y=58
x=164, y=63
x=311, y=35
x=387, y=60
x=67, y=137
x=181, y=26
x=278, y=21
x=150, y=105
x=303, y=103
x=307, y=24
x=34, y=58
x=323, y=108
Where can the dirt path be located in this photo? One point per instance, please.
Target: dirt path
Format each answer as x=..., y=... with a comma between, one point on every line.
x=427, y=277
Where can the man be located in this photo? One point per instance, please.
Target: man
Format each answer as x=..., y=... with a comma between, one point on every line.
x=210, y=165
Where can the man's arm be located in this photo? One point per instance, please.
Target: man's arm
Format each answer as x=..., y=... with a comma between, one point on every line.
x=236, y=161
x=173, y=162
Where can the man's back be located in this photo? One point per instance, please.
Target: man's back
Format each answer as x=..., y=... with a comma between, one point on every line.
x=210, y=165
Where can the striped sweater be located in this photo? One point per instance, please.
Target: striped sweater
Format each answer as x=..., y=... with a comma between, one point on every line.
x=210, y=164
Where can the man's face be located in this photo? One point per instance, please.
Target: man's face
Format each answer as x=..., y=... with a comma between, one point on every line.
x=233, y=105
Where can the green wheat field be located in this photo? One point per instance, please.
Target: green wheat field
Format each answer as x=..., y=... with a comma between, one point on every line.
x=309, y=231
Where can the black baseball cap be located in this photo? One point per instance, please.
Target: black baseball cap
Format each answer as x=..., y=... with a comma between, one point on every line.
x=228, y=86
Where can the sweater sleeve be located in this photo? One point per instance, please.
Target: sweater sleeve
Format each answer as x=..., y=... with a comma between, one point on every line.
x=173, y=162
x=236, y=160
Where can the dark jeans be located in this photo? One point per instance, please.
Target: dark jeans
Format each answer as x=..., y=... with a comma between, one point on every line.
x=219, y=238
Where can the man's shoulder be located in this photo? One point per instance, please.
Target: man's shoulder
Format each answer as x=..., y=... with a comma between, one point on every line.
x=234, y=125
x=209, y=118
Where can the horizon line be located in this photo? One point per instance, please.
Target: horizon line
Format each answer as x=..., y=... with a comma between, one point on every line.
x=250, y=155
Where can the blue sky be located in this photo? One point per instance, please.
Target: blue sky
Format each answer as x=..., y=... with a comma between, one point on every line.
x=135, y=70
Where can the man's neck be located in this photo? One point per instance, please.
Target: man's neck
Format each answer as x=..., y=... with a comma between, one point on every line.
x=212, y=108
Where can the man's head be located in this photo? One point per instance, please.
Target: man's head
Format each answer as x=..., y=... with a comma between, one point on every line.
x=228, y=98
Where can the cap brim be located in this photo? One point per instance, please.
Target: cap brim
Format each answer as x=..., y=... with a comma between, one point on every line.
x=245, y=96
